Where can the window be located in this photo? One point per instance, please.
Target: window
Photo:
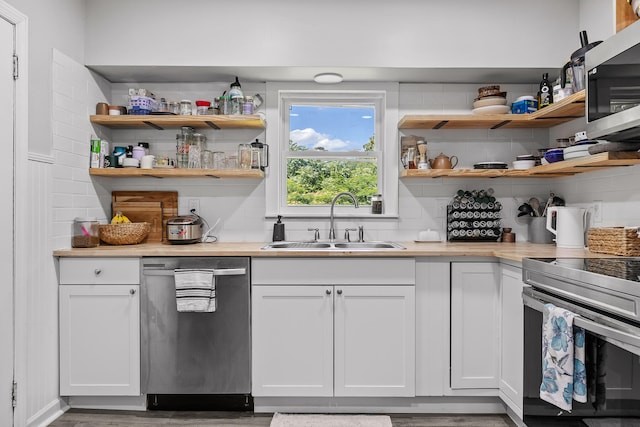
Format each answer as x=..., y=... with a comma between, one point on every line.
x=329, y=141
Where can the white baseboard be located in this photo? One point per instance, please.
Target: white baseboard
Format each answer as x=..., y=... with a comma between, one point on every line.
x=130, y=403
x=48, y=414
x=417, y=405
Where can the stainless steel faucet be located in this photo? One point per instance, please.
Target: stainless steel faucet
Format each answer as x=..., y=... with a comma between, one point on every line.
x=332, y=230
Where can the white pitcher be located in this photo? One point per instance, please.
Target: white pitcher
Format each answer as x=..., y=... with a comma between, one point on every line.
x=570, y=226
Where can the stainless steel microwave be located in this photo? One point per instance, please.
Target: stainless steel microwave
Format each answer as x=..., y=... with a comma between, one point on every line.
x=613, y=87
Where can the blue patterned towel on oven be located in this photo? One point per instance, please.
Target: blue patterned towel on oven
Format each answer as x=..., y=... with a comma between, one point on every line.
x=195, y=290
x=564, y=375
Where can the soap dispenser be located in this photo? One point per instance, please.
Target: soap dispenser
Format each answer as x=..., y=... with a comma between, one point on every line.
x=278, y=230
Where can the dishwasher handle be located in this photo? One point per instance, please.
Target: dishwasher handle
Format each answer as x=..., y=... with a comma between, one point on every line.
x=216, y=272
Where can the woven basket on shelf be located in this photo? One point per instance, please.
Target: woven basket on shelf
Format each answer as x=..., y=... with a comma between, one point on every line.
x=129, y=233
x=614, y=240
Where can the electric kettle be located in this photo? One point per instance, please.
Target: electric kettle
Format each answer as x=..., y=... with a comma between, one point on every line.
x=570, y=226
x=577, y=64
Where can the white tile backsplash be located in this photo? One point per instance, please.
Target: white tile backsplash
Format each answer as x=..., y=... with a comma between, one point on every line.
x=240, y=204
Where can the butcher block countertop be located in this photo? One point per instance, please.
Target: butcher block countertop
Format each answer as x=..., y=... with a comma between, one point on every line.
x=508, y=251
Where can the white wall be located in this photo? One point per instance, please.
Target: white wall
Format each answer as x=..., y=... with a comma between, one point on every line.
x=58, y=24
x=359, y=33
x=52, y=24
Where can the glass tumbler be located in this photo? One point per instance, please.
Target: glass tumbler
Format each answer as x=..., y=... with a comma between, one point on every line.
x=207, y=159
x=219, y=160
x=244, y=156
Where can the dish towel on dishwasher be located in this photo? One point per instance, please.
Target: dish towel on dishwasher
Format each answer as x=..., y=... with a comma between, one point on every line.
x=195, y=290
x=563, y=369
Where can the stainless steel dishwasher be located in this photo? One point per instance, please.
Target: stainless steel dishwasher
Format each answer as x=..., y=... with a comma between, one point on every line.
x=192, y=360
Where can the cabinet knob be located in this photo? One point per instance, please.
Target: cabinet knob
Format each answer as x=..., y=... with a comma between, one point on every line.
x=328, y=291
x=132, y=291
x=97, y=271
x=339, y=291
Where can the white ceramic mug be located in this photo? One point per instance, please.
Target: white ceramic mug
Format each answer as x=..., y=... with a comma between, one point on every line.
x=147, y=161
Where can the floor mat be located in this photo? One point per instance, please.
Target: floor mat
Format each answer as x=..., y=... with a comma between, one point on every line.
x=319, y=420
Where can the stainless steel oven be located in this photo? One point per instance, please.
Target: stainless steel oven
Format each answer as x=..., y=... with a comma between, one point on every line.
x=604, y=294
x=613, y=87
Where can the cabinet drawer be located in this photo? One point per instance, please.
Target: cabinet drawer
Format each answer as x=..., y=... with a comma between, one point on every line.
x=88, y=271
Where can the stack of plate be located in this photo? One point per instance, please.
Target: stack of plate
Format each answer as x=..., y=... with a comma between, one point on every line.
x=490, y=101
x=490, y=165
x=578, y=150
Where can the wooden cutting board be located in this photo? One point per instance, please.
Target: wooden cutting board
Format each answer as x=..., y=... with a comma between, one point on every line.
x=167, y=199
x=150, y=212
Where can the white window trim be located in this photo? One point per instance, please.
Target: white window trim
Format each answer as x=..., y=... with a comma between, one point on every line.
x=386, y=129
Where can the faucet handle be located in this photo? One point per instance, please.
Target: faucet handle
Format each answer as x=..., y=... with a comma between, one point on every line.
x=316, y=235
x=361, y=233
x=346, y=233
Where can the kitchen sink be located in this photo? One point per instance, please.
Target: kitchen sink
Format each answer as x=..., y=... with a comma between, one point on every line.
x=333, y=246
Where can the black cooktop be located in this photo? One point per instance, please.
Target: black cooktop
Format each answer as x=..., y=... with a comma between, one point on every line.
x=625, y=268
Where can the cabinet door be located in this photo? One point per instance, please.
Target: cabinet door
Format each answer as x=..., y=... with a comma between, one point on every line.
x=474, y=325
x=511, y=333
x=374, y=341
x=292, y=340
x=99, y=340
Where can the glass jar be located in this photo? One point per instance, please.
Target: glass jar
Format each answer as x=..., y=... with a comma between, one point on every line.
x=182, y=150
x=185, y=107
x=174, y=107
x=223, y=105
x=202, y=107
x=247, y=105
x=236, y=105
x=376, y=204
x=86, y=232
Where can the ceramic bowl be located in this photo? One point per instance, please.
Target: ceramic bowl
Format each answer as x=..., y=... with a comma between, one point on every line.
x=523, y=164
x=554, y=155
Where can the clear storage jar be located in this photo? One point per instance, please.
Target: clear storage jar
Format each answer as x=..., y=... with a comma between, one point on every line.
x=86, y=233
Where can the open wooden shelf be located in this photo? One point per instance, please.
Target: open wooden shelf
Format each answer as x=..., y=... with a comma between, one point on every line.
x=563, y=168
x=161, y=122
x=176, y=173
x=563, y=111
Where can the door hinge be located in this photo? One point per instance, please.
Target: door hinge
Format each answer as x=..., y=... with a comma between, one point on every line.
x=14, y=394
x=15, y=67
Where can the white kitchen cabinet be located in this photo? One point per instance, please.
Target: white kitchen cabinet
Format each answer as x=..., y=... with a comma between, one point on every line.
x=345, y=337
x=374, y=341
x=99, y=329
x=511, y=333
x=475, y=316
x=292, y=340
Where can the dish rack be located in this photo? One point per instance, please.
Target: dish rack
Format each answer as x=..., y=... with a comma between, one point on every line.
x=474, y=216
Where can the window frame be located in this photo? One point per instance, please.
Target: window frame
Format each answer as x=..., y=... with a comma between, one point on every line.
x=281, y=95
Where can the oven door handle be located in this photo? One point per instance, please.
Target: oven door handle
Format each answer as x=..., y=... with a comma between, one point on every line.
x=609, y=333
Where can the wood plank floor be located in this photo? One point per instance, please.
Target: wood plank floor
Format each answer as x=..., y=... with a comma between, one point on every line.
x=93, y=418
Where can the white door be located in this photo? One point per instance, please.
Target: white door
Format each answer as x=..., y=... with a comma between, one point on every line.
x=292, y=340
x=512, y=338
x=374, y=341
x=7, y=40
x=475, y=308
x=99, y=340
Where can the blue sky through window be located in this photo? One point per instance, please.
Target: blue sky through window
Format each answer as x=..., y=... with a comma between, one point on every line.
x=334, y=128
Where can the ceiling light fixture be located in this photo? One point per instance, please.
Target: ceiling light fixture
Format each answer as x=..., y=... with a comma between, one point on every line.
x=328, y=78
